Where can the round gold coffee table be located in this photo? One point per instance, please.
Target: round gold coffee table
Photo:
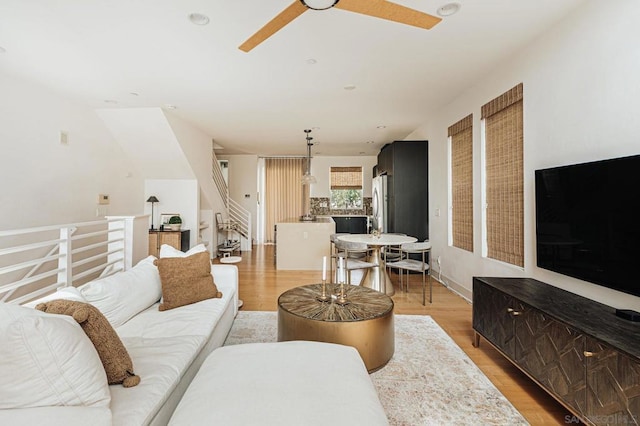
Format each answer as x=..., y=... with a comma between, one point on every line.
x=365, y=323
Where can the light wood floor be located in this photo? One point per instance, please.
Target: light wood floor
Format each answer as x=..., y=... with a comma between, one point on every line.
x=261, y=284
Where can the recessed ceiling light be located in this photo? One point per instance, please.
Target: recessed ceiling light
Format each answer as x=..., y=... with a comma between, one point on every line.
x=381, y=127
x=198, y=18
x=349, y=87
x=369, y=142
x=311, y=61
x=3, y=50
x=315, y=128
x=448, y=9
x=169, y=106
x=110, y=101
x=134, y=93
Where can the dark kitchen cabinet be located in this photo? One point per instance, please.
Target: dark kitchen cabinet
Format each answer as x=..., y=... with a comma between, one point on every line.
x=351, y=224
x=406, y=164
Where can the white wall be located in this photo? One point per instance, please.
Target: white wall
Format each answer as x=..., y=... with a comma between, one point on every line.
x=196, y=146
x=581, y=95
x=180, y=196
x=147, y=138
x=45, y=182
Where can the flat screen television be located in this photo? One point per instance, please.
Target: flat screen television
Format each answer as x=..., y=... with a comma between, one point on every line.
x=588, y=222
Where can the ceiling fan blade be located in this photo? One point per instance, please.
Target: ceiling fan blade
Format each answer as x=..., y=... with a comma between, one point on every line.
x=390, y=11
x=283, y=18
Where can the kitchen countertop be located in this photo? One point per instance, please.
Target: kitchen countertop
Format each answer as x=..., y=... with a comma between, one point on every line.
x=319, y=219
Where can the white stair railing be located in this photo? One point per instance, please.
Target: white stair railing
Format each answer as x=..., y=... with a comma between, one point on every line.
x=237, y=214
x=36, y=261
x=218, y=178
x=241, y=217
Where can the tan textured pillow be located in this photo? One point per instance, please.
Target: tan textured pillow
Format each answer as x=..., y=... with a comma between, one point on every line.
x=114, y=356
x=186, y=280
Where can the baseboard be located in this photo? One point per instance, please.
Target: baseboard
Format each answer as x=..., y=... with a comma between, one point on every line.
x=452, y=285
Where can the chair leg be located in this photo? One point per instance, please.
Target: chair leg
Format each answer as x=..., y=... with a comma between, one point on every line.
x=429, y=277
x=333, y=251
x=388, y=271
x=333, y=278
x=365, y=272
x=347, y=271
x=423, y=290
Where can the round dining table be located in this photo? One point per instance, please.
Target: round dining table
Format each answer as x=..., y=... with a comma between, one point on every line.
x=377, y=278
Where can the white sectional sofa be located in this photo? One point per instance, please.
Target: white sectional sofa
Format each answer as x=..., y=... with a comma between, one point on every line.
x=166, y=347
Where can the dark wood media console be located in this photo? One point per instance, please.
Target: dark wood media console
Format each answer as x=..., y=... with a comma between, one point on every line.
x=577, y=349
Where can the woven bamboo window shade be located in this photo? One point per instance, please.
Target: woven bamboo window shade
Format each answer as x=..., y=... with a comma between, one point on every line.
x=346, y=177
x=504, y=177
x=283, y=191
x=461, y=134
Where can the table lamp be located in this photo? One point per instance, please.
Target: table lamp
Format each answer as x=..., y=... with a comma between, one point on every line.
x=153, y=199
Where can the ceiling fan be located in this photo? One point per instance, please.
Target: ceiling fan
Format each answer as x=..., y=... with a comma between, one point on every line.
x=376, y=8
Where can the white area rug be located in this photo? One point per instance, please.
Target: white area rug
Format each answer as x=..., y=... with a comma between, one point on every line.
x=429, y=380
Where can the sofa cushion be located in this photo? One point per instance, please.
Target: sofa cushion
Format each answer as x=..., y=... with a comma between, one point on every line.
x=162, y=363
x=124, y=294
x=186, y=280
x=47, y=360
x=170, y=251
x=115, y=359
x=68, y=293
x=196, y=319
x=58, y=415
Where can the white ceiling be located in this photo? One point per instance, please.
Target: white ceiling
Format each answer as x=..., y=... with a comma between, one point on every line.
x=260, y=102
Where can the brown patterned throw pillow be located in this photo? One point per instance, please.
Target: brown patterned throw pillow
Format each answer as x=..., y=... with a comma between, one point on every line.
x=114, y=356
x=186, y=280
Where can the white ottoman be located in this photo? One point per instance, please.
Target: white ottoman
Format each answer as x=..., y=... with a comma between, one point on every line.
x=285, y=383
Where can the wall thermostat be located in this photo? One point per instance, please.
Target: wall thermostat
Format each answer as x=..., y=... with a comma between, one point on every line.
x=103, y=199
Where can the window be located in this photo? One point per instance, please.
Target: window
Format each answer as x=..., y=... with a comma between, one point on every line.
x=461, y=196
x=346, y=188
x=503, y=124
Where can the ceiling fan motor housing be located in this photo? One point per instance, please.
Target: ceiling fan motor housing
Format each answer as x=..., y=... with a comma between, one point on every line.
x=319, y=4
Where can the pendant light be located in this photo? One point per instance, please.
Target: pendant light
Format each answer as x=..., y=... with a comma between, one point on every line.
x=307, y=178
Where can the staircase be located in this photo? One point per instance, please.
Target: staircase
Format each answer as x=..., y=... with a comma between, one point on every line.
x=235, y=213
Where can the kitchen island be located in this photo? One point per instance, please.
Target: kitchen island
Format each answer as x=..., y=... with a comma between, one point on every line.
x=301, y=245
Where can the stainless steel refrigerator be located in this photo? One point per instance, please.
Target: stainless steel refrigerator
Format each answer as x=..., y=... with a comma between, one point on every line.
x=379, y=203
